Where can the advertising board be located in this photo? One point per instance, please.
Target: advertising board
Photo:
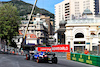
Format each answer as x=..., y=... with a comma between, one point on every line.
x=60, y=48
x=55, y=48
x=44, y=49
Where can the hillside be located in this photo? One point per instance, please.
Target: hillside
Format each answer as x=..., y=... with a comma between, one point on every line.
x=25, y=8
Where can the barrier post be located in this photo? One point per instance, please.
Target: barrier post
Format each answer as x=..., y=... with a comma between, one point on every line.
x=68, y=56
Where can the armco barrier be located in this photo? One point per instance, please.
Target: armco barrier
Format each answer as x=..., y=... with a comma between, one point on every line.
x=81, y=58
x=74, y=57
x=89, y=59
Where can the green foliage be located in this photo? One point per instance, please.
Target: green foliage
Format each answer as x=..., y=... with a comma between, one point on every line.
x=9, y=21
x=23, y=18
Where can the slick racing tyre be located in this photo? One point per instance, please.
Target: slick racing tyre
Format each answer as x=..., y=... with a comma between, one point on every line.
x=54, y=60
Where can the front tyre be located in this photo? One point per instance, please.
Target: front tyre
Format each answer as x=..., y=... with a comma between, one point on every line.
x=38, y=60
x=46, y=59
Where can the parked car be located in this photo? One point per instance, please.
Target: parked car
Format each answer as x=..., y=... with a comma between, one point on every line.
x=52, y=57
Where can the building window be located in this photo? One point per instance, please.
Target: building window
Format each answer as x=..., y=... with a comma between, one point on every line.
x=98, y=41
x=94, y=48
x=84, y=2
x=37, y=34
x=41, y=34
x=24, y=26
x=66, y=3
x=32, y=36
x=28, y=31
x=68, y=42
x=41, y=27
x=79, y=42
x=98, y=33
x=31, y=30
x=55, y=40
x=79, y=48
x=31, y=22
x=79, y=35
x=18, y=40
x=28, y=36
x=34, y=19
x=93, y=34
x=76, y=7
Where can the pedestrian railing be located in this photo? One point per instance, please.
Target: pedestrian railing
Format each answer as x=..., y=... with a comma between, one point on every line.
x=4, y=49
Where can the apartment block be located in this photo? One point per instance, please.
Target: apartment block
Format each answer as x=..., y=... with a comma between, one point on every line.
x=37, y=33
x=73, y=9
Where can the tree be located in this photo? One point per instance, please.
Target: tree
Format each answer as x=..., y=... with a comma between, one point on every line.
x=13, y=44
x=9, y=22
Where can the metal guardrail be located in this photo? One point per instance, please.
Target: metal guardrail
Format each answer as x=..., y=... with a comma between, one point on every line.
x=61, y=55
x=4, y=49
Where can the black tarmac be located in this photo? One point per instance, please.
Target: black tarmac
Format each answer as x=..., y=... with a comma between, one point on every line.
x=7, y=60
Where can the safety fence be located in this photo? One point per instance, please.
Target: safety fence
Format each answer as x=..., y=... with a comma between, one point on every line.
x=61, y=55
x=89, y=59
x=4, y=49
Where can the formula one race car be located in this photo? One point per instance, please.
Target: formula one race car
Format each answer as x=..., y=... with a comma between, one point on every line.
x=45, y=57
x=52, y=57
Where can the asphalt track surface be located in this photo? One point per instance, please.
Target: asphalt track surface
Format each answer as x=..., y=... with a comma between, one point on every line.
x=7, y=60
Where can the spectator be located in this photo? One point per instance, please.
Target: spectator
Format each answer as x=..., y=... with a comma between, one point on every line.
x=86, y=51
x=71, y=50
x=21, y=52
x=46, y=52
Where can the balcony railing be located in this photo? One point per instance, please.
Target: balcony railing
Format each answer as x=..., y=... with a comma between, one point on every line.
x=93, y=35
x=82, y=21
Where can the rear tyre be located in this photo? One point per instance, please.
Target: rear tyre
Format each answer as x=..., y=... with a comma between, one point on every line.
x=28, y=57
x=54, y=60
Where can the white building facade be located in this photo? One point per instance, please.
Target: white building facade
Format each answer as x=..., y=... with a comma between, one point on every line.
x=83, y=34
x=37, y=33
x=69, y=9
